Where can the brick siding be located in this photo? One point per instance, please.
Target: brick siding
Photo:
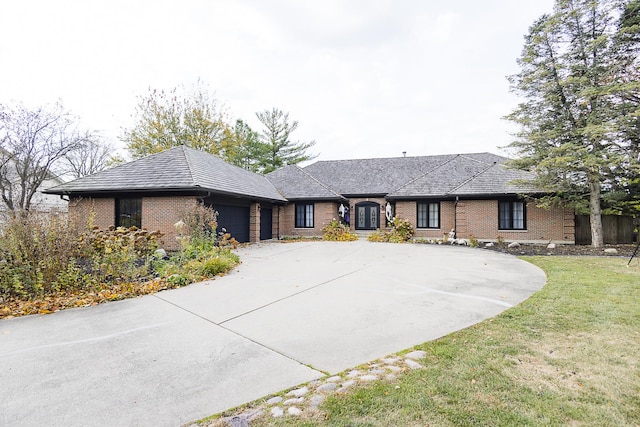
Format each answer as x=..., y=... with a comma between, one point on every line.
x=323, y=213
x=98, y=212
x=254, y=222
x=158, y=213
x=161, y=213
x=408, y=210
x=479, y=218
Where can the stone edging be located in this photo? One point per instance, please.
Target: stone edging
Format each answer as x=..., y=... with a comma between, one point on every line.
x=306, y=399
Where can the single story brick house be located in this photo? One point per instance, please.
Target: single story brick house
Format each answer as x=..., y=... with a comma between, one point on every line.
x=472, y=194
x=153, y=192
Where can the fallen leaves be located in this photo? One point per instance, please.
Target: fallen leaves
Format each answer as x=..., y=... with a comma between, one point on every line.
x=14, y=307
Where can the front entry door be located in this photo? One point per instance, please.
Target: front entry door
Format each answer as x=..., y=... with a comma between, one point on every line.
x=367, y=216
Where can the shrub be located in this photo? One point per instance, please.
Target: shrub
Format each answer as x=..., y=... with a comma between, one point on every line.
x=121, y=254
x=48, y=263
x=35, y=250
x=225, y=239
x=45, y=254
x=139, y=242
x=402, y=228
x=199, y=222
x=400, y=232
x=215, y=262
x=180, y=279
x=198, y=230
x=378, y=236
x=337, y=232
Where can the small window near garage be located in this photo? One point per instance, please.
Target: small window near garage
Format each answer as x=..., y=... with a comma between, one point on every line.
x=428, y=215
x=129, y=213
x=304, y=215
x=512, y=215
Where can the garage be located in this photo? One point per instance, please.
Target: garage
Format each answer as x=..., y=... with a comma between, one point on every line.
x=235, y=220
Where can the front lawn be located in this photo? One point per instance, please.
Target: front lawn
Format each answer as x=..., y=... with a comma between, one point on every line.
x=566, y=356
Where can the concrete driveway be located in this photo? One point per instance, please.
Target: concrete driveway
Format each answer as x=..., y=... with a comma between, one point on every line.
x=289, y=314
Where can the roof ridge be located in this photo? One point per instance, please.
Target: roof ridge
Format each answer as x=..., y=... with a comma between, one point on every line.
x=382, y=158
x=454, y=156
x=266, y=177
x=467, y=156
x=218, y=158
x=471, y=178
x=189, y=163
x=322, y=184
x=414, y=157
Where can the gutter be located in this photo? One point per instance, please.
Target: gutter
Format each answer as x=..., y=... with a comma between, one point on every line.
x=170, y=190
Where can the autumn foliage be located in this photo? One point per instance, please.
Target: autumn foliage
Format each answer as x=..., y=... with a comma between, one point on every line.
x=48, y=263
x=401, y=231
x=338, y=232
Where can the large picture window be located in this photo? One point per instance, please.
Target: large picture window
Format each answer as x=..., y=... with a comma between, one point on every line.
x=129, y=213
x=304, y=215
x=512, y=216
x=428, y=215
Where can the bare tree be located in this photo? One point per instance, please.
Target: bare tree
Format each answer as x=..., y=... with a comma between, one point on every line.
x=89, y=158
x=32, y=143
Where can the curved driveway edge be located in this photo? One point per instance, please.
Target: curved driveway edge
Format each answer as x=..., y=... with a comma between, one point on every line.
x=289, y=314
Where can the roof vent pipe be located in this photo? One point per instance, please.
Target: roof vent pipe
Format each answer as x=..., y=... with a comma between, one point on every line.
x=404, y=154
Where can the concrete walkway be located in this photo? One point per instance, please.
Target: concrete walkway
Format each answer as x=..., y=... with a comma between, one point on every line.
x=289, y=314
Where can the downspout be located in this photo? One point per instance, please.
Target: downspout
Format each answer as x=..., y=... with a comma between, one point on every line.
x=202, y=199
x=455, y=218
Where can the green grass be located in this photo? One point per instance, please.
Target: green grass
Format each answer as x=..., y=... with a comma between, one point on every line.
x=569, y=355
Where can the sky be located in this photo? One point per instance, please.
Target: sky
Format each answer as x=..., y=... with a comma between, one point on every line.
x=364, y=78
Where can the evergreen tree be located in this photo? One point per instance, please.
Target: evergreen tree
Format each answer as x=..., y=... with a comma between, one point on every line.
x=579, y=123
x=242, y=147
x=276, y=137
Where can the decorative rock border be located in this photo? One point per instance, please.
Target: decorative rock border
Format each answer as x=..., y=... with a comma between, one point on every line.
x=307, y=399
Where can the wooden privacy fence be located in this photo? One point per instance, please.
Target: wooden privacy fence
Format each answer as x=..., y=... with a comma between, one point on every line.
x=616, y=229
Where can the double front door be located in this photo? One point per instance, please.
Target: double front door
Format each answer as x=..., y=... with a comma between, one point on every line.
x=367, y=216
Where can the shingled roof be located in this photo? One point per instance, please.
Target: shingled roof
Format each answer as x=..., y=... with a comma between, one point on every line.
x=372, y=176
x=423, y=176
x=467, y=175
x=295, y=183
x=498, y=179
x=183, y=169
x=179, y=169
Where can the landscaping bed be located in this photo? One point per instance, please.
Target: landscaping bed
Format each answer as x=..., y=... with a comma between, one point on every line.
x=49, y=263
x=565, y=250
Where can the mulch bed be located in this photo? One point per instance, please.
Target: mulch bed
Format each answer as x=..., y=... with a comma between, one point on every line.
x=565, y=250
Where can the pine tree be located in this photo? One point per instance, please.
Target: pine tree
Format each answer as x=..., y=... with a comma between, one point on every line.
x=276, y=136
x=581, y=112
